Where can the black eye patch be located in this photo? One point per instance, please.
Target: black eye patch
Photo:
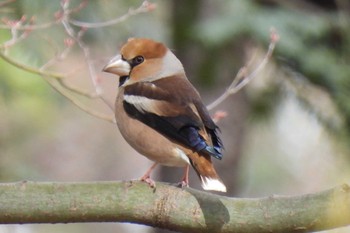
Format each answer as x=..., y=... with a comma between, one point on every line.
x=137, y=60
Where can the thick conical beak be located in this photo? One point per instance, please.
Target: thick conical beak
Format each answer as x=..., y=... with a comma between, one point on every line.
x=117, y=66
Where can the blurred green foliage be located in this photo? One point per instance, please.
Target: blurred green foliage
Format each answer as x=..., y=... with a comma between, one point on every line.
x=314, y=40
x=27, y=108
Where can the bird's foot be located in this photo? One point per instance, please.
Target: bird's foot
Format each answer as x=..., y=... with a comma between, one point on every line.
x=147, y=177
x=149, y=181
x=183, y=184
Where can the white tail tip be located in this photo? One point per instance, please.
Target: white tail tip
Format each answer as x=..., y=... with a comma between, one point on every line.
x=212, y=184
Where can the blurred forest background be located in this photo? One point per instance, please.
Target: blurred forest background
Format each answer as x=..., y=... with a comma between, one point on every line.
x=286, y=133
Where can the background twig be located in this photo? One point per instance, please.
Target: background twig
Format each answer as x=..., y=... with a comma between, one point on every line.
x=243, y=77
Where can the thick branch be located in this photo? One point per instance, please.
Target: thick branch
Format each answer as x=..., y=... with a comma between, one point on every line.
x=170, y=207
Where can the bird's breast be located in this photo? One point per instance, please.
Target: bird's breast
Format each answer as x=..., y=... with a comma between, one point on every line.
x=146, y=140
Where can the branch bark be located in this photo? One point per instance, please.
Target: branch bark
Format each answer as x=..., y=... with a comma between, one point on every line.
x=169, y=207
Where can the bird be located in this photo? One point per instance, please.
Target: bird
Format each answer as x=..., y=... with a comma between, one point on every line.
x=161, y=115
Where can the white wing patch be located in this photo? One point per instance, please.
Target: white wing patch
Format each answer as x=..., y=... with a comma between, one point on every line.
x=143, y=104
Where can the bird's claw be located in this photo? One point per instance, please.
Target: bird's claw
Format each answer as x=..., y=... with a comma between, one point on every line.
x=183, y=184
x=149, y=181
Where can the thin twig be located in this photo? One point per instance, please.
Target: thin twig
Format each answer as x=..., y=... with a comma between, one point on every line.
x=15, y=36
x=57, y=80
x=145, y=7
x=9, y=24
x=63, y=92
x=79, y=91
x=77, y=37
x=59, y=56
x=32, y=27
x=51, y=79
x=29, y=68
x=63, y=17
x=243, y=77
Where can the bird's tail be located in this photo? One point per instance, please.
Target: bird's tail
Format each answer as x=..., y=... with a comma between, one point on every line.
x=205, y=170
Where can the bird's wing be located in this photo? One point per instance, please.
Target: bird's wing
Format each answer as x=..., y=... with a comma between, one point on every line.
x=178, y=113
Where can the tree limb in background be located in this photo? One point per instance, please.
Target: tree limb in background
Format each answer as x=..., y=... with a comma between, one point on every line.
x=169, y=207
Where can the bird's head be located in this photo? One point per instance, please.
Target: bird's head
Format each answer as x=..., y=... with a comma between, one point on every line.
x=142, y=60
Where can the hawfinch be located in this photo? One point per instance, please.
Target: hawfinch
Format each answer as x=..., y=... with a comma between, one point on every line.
x=161, y=115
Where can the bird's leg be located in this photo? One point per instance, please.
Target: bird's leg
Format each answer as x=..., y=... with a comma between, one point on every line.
x=184, y=181
x=147, y=176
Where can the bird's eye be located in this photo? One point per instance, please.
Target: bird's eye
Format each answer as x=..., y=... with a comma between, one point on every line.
x=137, y=60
